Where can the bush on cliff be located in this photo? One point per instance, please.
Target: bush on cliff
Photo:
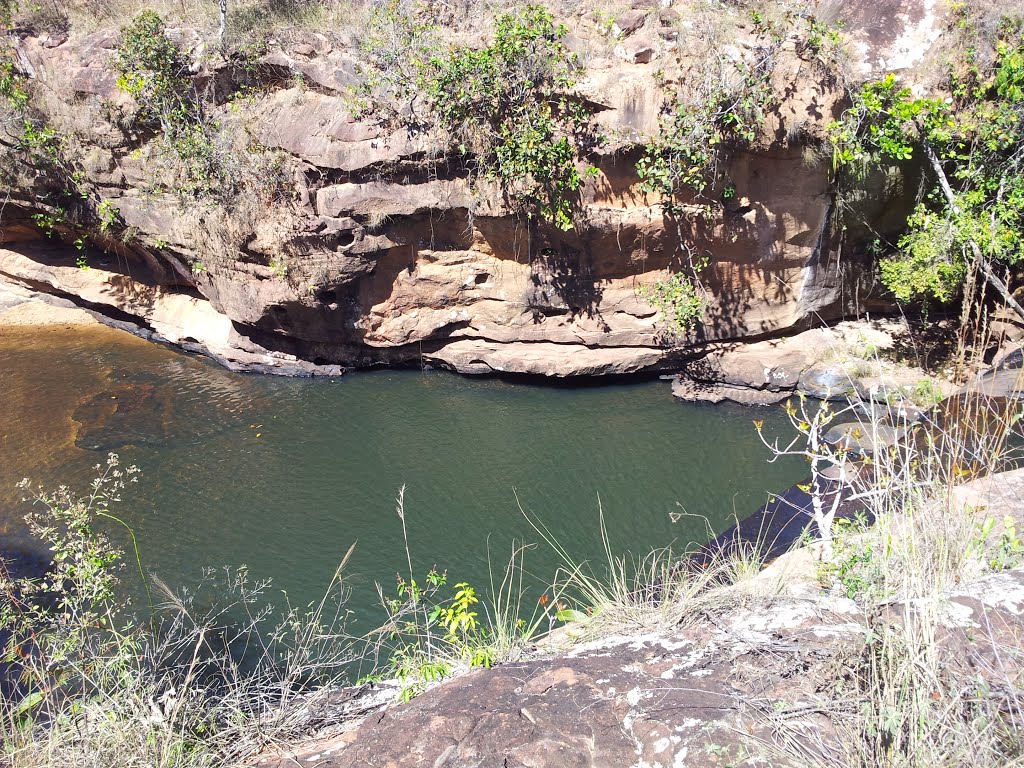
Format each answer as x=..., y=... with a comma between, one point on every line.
x=717, y=108
x=507, y=108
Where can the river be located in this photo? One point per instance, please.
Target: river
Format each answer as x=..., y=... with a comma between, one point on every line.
x=283, y=475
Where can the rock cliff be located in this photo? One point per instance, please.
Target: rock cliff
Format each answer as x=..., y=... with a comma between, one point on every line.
x=372, y=247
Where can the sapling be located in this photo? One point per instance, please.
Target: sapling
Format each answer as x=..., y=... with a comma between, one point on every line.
x=811, y=425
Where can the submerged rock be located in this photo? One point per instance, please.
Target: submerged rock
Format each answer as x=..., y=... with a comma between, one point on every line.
x=130, y=414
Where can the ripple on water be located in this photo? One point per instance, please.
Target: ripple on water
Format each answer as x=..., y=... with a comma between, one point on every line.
x=285, y=474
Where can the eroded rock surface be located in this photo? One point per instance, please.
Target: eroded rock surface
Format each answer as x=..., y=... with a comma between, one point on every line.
x=377, y=250
x=851, y=359
x=719, y=692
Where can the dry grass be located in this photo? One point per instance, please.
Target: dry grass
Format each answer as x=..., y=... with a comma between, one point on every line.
x=659, y=591
x=244, y=16
x=911, y=699
x=211, y=677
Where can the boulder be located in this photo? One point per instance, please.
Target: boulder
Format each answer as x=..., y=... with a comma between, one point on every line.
x=629, y=22
x=826, y=382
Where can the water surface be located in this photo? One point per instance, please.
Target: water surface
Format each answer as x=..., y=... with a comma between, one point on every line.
x=283, y=475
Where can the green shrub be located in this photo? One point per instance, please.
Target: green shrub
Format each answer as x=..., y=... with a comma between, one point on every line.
x=683, y=154
x=432, y=629
x=153, y=70
x=679, y=299
x=724, y=106
x=508, y=107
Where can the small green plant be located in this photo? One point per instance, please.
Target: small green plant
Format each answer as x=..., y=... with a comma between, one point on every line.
x=926, y=393
x=12, y=84
x=48, y=222
x=432, y=628
x=854, y=563
x=825, y=44
x=604, y=21
x=1007, y=551
x=41, y=142
x=679, y=300
x=279, y=268
x=107, y=213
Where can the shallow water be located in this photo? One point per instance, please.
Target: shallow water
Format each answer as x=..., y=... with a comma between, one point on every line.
x=284, y=474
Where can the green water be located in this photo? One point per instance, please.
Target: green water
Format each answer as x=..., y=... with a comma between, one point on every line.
x=284, y=474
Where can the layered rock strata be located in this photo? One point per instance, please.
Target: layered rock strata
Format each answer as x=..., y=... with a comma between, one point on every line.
x=377, y=249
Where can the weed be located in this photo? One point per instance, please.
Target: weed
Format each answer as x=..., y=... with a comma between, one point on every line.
x=432, y=628
x=853, y=565
x=186, y=688
x=680, y=301
x=279, y=268
x=107, y=213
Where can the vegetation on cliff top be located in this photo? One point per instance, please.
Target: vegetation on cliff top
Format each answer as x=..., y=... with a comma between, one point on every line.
x=507, y=107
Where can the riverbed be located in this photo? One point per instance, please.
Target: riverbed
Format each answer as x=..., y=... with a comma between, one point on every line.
x=283, y=475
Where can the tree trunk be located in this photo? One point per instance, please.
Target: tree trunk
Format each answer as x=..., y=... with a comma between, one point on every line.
x=223, y=22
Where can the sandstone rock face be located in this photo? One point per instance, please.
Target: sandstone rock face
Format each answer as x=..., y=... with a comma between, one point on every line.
x=166, y=316
x=379, y=250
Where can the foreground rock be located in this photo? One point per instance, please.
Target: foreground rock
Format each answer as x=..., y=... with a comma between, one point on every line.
x=740, y=680
x=721, y=691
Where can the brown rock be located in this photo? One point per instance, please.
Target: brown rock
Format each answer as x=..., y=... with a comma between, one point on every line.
x=389, y=254
x=629, y=22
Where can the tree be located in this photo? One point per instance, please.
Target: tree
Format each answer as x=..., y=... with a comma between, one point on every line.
x=971, y=217
x=223, y=22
